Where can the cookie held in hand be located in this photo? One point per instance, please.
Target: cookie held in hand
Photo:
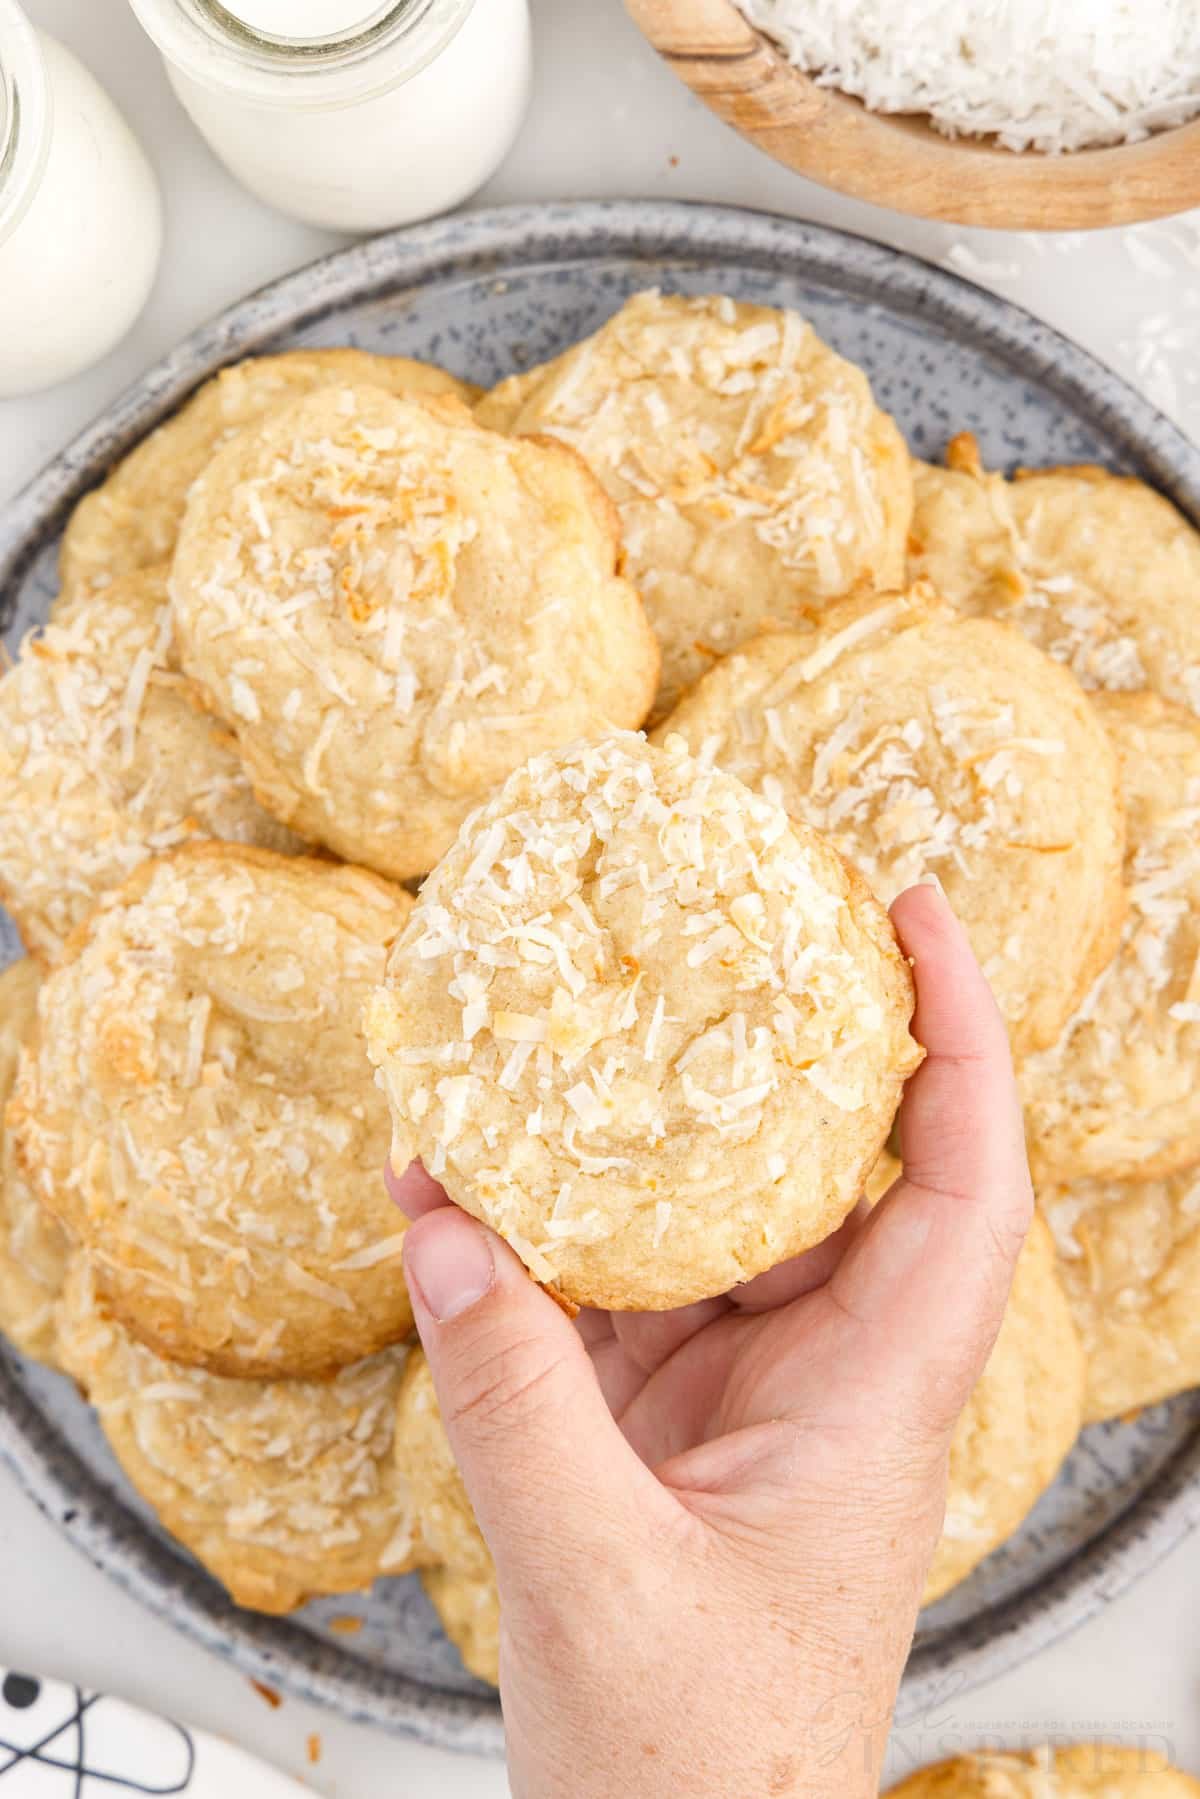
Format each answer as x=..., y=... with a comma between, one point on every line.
x=650, y=1030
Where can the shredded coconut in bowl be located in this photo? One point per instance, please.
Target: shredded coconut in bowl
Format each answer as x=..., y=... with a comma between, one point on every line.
x=1046, y=75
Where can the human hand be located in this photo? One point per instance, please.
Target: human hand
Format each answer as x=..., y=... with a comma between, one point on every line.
x=711, y=1527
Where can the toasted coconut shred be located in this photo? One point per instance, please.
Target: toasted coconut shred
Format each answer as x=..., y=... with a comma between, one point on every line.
x=1050, y=75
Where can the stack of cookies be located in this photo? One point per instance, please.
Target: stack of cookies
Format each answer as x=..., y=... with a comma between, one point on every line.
x=343, y=630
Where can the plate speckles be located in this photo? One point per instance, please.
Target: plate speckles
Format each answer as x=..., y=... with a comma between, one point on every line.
x=487, y=294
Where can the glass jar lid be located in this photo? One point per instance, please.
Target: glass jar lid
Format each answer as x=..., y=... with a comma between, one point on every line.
x=306, y=22
x=366, y=46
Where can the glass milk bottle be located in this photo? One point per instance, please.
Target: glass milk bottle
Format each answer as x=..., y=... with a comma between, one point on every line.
x=80, y=214
x=351, y=114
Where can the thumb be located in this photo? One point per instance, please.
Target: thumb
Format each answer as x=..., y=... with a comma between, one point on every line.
x=931, y=1271
x=551, y=1478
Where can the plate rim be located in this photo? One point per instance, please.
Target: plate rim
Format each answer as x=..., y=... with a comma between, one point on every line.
x=502, y=241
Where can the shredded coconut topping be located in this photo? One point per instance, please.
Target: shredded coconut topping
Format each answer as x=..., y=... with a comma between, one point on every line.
x=1100, y=572
x=925, y=744
x=1117, y=1094
x=384, y=560
x=1130, y=1261
x=201, y=1122
x=285, y=1489
x=754, y=473
x=106, y=758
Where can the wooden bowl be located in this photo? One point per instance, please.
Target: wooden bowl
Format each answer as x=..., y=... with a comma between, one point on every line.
x=900, y=160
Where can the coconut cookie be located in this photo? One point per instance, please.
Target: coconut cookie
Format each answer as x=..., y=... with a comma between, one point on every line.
x=1129, y=1258
x=392, y=608
x=1097, y=569
x=882, y=1178
x=198, y=1111
x=285, y=1490
x=1083, y=1771
x=755, y=475
x=107, y=758
x=425, y=1461
x=33, y=1247
x=650, y=1031
x=924, y=743
x=1020, y=1423
x=1118, y=1096
x=132, y=520
x=468, y=1610
x=463, y=1587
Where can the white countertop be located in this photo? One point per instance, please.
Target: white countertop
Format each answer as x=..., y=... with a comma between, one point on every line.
x=607, y=120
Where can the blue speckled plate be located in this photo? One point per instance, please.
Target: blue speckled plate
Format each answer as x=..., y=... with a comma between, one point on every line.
x=486, y=294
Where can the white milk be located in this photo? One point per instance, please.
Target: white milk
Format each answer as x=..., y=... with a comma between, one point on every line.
x=401, y=116
x=80, y=214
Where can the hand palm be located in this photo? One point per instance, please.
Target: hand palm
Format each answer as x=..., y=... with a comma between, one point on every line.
x=677, y=1381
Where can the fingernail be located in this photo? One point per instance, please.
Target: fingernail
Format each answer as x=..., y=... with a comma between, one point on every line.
x=414, y=1191
x=448, y=1261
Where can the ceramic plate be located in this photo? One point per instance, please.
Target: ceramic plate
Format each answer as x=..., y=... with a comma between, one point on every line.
x=486, y=294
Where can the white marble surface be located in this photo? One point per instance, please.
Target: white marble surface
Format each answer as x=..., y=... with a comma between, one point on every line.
x=606, y=120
